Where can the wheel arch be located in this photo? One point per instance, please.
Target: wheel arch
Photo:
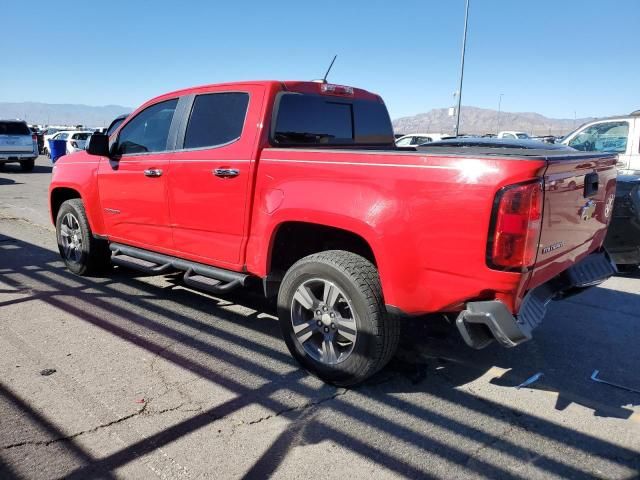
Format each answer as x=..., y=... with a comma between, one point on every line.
x=60, y=194
x=292, y=240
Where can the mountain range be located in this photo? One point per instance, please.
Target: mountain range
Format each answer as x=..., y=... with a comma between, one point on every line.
x=62, y=114
x=474, y=120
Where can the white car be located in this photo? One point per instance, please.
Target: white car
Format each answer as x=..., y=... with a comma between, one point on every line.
x=76, y=139
x=415, y=139
x=513, y=135
x=620, y=135
x=17, y=144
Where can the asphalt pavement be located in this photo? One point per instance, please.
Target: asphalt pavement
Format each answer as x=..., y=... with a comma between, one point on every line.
x=133, y=376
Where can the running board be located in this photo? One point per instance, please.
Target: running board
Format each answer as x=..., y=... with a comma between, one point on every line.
x=140, y=264
x=198, y=275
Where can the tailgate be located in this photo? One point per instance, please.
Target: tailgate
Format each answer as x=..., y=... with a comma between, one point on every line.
x=16, y=143
x=578, y=202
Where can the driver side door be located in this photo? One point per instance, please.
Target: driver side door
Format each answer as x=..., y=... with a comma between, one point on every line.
x=132, y=183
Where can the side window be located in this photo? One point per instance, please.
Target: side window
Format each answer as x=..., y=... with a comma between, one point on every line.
x=62, y=136
x=216, y=119
x=149, y=130
x=602, y=137
x=421, y=140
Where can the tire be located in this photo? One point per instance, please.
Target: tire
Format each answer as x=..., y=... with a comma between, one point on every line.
x=82, y=253
x=354, y=336
x=27, y=165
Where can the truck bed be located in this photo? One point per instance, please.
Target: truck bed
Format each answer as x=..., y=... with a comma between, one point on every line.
x=444, y=196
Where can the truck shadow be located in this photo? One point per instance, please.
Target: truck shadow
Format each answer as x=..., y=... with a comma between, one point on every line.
x=9, y=181
x=416, y=418
x=15, y=168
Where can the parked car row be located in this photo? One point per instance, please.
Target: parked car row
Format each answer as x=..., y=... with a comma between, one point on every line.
x=75, y=140
x=416, y=139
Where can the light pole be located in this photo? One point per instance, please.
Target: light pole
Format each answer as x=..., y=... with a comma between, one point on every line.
x=498, y=119
x=464, y=47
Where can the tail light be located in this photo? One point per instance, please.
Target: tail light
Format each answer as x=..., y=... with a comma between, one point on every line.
x=34, y=137
x=515, y=227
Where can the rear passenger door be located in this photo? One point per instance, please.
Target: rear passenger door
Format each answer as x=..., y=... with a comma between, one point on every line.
x=212, y=172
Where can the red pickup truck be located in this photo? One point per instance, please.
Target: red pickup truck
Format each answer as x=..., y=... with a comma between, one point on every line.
x=299, y=185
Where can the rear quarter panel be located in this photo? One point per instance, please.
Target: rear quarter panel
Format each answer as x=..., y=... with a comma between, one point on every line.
x=425, y=217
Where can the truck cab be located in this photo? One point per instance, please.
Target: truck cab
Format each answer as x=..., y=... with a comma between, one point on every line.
x=620, y=135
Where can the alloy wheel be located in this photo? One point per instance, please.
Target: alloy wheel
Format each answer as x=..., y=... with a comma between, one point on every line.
x=324, y=321
x=71, y=236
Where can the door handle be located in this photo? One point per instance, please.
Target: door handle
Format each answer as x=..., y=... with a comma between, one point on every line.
x=153, y=172
x=226, y=172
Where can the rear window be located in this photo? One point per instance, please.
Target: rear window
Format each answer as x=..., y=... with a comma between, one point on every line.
x=14, y=128
x=326, y=120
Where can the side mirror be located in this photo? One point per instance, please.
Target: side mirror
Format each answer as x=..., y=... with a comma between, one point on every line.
x=98, y=145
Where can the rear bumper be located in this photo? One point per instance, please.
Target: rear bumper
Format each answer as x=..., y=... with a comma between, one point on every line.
x=482, y=322
x=16, y=157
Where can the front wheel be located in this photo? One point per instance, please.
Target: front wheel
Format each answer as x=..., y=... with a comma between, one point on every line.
x=82, y=253
x=333, y=317
x=27, y=165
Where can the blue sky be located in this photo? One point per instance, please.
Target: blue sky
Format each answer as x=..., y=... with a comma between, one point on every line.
x=552, y=57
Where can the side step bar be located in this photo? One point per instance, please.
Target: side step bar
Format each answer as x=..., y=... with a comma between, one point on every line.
x=198, y=275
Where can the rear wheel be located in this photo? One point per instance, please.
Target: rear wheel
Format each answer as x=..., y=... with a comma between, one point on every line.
x=81, y=251
x=27, y=165
x=333, y=317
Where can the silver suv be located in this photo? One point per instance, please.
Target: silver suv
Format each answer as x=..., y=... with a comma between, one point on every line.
x=17, y=144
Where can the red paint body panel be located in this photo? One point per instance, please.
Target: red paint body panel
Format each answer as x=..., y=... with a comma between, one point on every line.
x=425, y=217
x=135, y=206
x=79, y=172
x=209, y=214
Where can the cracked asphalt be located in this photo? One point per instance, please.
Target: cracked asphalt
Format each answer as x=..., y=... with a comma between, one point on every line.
x=153, y=379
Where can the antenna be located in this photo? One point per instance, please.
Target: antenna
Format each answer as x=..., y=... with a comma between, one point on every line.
x=324, y=79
